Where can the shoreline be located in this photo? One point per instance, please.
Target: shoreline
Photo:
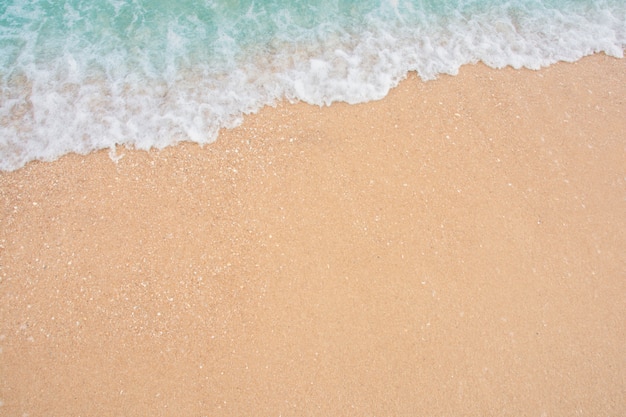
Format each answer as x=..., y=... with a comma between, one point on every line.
x=455, y=248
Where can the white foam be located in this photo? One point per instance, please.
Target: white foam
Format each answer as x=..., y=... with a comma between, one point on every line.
x=70, y=104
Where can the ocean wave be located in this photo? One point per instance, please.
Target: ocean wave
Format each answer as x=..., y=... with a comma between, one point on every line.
x=78, y=76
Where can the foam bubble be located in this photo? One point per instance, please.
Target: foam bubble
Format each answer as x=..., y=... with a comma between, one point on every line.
x=113, y=73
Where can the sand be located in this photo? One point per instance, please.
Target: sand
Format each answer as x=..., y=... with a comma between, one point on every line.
x=455, y=249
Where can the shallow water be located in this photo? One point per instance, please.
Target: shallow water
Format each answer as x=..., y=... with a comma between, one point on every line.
x=78, y=76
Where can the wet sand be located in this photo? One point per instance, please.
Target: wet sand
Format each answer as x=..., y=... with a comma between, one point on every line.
x=456, y=249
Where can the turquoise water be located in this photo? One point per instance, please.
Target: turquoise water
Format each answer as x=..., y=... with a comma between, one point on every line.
x=78, y=76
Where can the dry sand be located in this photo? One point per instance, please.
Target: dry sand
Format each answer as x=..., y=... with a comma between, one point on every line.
x=458, y=248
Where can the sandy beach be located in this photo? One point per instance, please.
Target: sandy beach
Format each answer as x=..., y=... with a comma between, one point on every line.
x=455, y=249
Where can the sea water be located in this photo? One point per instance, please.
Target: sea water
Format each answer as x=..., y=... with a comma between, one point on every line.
x=82, y=75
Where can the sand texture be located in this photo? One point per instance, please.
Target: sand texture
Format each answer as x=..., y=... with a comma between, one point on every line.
x=456, y=249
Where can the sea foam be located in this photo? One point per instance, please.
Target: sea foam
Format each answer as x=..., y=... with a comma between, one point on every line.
x=80, y=77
